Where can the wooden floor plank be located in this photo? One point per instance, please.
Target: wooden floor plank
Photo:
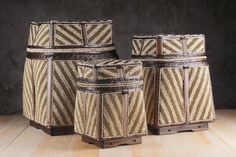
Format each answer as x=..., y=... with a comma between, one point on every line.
x=218, y=141
x=225, y=127
x=52, y=146
x=77, y=148
x=35, y=143
x=25, y=144
x=194, y=144
x=10, y=128
x=121, y=151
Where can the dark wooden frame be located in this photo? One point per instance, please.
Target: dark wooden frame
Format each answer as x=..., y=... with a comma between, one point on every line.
x=53, y=130
x=113, y=142
x=177, y=128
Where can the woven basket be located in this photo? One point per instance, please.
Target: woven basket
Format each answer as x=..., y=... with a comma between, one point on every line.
x=109, y=102
x=177, y=86
x=49, y=84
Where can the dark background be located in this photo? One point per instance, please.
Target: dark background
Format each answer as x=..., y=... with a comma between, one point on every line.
x=216, y=19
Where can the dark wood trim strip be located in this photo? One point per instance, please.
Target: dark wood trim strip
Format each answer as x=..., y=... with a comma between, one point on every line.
x=71, y=47
x=84, y=35
x=174, y=64
x=109, y=89
x=73, y=56
x=75, y=22
x=125, y=114
x=173, y=56
x=54, y=130
x=177, y=128
x=186, y=94
x=114, y=142
x=157, y=77
x=108, y=81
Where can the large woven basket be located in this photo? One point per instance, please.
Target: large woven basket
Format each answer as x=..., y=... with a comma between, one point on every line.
x=177, y=85
x=49, y=84
x=109, y=103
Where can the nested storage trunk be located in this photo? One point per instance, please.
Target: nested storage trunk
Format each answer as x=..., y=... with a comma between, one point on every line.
x=49, y=84
x=110, y=107
x=177, y=85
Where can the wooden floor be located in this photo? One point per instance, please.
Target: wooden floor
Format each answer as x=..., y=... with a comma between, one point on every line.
x=18, y=139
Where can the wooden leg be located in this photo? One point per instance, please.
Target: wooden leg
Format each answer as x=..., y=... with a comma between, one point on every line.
x=109, y=143
x=178, y=128
x=54, y=130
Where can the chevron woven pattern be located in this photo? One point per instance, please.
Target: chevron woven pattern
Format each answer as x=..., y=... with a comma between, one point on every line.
x=28, y=90
x=144, y=46
x=68, y=34
x=42, y=36
x=149, y=93
x=32, y=34
x=41, y=78
x=172, y=46
x=87, y=72
x=98, y=34
x=171, y=96
x=64, y=91
x=200, y=95
x=136, y=114
x=196, y=44
x=112, y=119
x=79, y=113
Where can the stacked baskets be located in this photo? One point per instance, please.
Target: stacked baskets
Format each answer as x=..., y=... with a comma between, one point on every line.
x=73, y=81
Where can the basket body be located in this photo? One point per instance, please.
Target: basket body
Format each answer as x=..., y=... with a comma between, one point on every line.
x=54, y=49
x=109, y=101
x=177, y=85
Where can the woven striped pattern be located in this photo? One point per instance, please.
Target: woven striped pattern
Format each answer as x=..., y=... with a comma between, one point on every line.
x=108, y=69
x=109, y=63
x=200, y=95
x=40, y=78
x=99, y=34
x=114, y=112
x=88, y=73
x=85, y=72
x=149, y=93
x=112, y=119
x=172, y=46
x=42, y=36
x=64, y=91
x=108, y=72
x=28, y=90
x=85, y=113
x=136, y=114
x=196, y=44
x=91, y=108
x=171, y=96
x=136, y=46
x=144, y=46
x=68, y=34
x=32, y=33
x=79, y=113
x=132, y=71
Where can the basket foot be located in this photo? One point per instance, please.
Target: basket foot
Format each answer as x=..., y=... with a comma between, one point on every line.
x=109, y=143
x=178, y=128
x=53, y=130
